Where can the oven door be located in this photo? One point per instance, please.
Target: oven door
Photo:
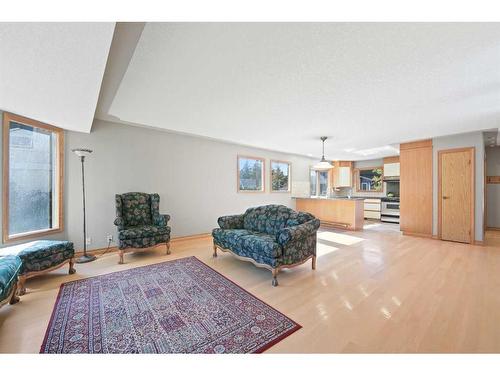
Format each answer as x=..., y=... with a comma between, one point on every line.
x=390, y=208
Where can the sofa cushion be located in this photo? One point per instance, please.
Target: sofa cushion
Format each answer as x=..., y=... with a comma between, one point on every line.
x=245, y=243
x=9, y=269
x=229, y=237
x=40, y=255
x=37, y=249
x=267, y=219
x=142, y=231
x=136, y=209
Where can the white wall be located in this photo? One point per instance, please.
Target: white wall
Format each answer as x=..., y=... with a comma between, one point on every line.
x=493, y=190
x=195, y=177
x=474, y=139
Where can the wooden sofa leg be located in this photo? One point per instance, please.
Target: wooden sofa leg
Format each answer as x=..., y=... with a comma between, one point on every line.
x=314, y=262
x=168, y=247
x=72, y=266
x=275, y=277
x=14, y=298
x=21, y=289
x=120, y=253
x=215, y=251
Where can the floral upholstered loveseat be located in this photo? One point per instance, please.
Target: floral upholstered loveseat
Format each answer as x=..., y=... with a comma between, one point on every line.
x=139, y=222
x=272, y=236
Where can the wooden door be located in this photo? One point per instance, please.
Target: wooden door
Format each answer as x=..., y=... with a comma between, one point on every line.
x=456, y=195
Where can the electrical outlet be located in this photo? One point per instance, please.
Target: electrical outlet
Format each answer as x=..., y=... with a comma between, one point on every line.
x=109, y=238
x=89, y=240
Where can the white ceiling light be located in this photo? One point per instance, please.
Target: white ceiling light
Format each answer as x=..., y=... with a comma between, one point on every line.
x=323, y=165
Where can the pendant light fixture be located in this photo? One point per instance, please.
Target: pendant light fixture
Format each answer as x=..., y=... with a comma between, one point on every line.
x=323, y=165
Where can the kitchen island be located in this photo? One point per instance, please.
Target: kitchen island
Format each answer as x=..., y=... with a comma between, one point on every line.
x=347, y=213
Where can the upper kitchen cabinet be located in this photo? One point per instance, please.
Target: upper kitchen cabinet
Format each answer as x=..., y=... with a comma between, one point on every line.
x=342, y=174
x=391, y=167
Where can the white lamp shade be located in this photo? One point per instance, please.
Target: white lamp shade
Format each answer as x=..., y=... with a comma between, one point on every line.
x=82, y=151
x=323, y=165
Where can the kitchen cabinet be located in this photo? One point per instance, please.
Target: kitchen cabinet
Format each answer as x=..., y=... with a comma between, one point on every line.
x=342, y=174
x=372, y=208
x=391, y=170
x=391, y=167
x=416, y=188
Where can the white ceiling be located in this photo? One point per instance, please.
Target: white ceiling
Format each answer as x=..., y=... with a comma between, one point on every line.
x=278, y=86
x=281, y=86
x=52, y=72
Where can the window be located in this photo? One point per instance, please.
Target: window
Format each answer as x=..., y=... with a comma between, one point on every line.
x=32, y=175
x=250, y=174
x=313, y=181
x=369, y=179
x=319, y=183
x=323, y=183
x=280, y=176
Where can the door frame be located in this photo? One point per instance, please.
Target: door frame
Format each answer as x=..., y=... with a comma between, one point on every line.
x=472, y=211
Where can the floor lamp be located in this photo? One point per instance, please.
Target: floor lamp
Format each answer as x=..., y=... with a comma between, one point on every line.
x=85, y=258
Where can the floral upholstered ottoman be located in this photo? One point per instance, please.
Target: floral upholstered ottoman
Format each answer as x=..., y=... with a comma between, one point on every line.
x=39, y=257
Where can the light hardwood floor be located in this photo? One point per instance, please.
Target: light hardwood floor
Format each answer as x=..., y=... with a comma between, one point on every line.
x=372, y=291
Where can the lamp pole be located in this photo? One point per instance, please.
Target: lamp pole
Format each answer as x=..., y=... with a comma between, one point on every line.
x=85, y=258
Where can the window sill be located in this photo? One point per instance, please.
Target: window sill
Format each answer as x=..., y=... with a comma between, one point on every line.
x=32, y=234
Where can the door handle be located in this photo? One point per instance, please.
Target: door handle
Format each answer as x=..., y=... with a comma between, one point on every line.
x=444, y=197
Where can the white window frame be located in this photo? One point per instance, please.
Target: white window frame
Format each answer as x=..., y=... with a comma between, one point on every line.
x=316, y=194
x=289, y=188
x=263, y=173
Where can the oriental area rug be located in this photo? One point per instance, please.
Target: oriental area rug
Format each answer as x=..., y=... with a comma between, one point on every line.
x=180, y=306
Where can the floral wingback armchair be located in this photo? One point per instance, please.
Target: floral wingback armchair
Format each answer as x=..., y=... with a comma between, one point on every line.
x=139, y=222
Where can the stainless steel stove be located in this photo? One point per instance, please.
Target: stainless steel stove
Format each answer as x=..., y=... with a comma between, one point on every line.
x=389, y=212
